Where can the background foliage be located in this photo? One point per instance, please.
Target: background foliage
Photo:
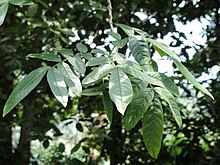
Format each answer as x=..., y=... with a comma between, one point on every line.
x=48, y=24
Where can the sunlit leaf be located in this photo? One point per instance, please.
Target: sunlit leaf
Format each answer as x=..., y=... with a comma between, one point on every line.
x=152, y=128
x=138, y=106
x=100, y=51
x=97, y=61
x=75, y=61
x=127, y=29
x=163, y=49
x=72, y=81
x=191, y=78
x=171, y=100
x=139, y=50
x=120, y=90
x=24, y=87
x=87, y=56
x=92, y=91
x=97, y=74
x=114, y=35
x=3, y=12
x=21, y=2
x=58, y=86
x=81, y=48
x=45, y=56
x=165, y=82
x=66, y=52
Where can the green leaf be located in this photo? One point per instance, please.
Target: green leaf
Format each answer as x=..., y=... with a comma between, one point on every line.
x=108, y=106
x=116, y=44
x=79, y=64
x=32, y=10
x=4, y=1
x=81, y=48
x=138, y=106
x=163, y=49
x=165, y=82
x=191, y=78
x=171, y=100
x=114, y=35
x=24, y=87
x=87, y=56
x=102, y=52
x=154, y=78
x=152, y=128
x=123, y=42
x=140, y=32
x=72, y=81
x=138, y=84
x=66, y=52
x=139, y=50
x=67, y=32
x=45, y=56
x=97, y=74
x=127, y=29
x=92, y=91
x=21, y=2
x=57, y=85
x=75, y=61
x=120, y=90
x=97, y=61
x=3, y=12
x=120, y=43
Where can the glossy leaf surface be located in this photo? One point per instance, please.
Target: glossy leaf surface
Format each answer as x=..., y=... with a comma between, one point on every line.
x=45, y=56
x=24, y=87
x=58, y=86
x=120, y=90
x=98, y=73
x=3, y=12
x=72, y=81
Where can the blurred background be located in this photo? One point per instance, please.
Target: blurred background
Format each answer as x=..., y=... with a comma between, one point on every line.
x=40, y=131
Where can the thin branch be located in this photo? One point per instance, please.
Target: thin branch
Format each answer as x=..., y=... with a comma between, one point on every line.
x=110, y=14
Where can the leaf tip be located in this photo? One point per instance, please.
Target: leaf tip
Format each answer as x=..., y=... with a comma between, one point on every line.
x=210, y=95
x=154, y=154
x=5, y=111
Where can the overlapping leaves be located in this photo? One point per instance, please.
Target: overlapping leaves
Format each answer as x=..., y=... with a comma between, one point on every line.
x=135, y=87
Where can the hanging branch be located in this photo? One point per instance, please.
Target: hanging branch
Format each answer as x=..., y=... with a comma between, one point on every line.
x=110, y=14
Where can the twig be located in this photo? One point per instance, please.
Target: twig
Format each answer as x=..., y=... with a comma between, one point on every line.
x=110, y=14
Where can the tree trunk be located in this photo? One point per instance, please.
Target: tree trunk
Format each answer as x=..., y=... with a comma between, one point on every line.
x=23, y=151
x=5, y=122
x=115, y=146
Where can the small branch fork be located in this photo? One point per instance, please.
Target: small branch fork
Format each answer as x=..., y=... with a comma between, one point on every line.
x=110, y=14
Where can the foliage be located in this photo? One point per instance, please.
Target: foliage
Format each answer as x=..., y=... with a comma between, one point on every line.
x=147, y=73
x=118, y=83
